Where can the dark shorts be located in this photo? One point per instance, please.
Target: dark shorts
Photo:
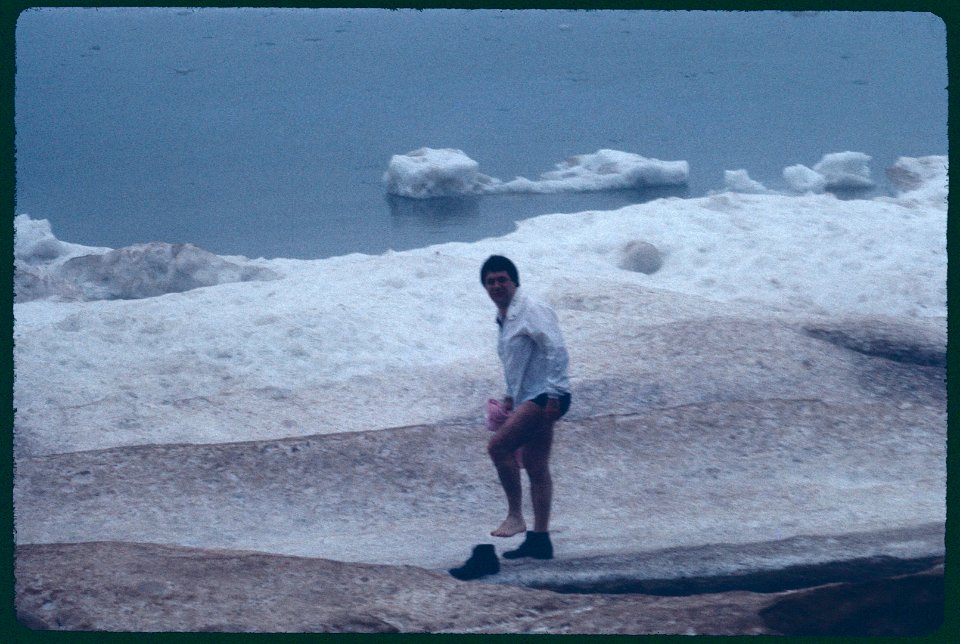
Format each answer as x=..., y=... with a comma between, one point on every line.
x=541, y=401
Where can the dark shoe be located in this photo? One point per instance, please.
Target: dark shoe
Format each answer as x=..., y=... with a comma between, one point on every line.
x=536, y=545
x=482, y=562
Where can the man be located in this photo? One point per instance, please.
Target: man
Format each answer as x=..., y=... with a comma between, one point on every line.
x=534, y=361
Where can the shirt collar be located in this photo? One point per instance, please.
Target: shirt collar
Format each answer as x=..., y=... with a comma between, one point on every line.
x=513, y=309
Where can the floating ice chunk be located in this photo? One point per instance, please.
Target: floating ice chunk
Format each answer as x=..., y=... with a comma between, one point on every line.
x=803, y=179
x=740, y=181
x=427, y=172
x=603, y=170
x=835, y=171
x=845, y=170
x=613, y=169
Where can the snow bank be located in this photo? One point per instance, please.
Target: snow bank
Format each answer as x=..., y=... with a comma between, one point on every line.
x=921, y=180
x=330, y=334
x=47, y=267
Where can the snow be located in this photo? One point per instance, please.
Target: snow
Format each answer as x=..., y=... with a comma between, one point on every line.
x=168, y=345
x=208, y=326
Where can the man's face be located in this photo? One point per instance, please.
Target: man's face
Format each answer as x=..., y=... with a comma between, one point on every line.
x=500, y=288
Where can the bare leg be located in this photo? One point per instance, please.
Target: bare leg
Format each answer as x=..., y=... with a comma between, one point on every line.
x=510, y=480
x=522, y=425
x=536, y=460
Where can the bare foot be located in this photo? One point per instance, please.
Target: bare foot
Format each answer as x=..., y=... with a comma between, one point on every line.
x=510, y=527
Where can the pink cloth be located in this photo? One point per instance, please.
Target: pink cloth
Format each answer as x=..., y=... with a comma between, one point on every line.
x=496, y=417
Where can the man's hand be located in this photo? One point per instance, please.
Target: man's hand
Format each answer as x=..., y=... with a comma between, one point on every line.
x=552, y=410
x=507, y=404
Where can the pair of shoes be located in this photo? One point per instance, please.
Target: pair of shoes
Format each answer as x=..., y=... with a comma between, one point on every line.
x=482, y=562
x=536, y=545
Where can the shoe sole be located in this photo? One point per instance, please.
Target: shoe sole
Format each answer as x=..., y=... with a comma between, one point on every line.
x=531, y=553
x=470, y=577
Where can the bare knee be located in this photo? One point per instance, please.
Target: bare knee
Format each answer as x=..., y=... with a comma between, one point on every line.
x=498, y=453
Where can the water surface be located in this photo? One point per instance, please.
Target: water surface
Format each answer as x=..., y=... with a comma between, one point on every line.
x=266, y=132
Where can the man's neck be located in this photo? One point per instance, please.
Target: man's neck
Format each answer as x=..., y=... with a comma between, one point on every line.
x=503, y=311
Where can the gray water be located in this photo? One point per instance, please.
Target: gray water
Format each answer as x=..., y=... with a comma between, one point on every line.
x=266, y=132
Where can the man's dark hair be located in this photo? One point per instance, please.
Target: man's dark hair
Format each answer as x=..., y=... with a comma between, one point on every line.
x=497, y=263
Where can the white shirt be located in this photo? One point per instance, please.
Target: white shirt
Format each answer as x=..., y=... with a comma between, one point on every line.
x=531, y=349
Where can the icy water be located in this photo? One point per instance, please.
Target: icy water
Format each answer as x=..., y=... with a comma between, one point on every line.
x=267, y=132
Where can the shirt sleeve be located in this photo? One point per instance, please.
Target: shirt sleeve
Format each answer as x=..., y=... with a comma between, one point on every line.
x=515, y=358
x=545, y=331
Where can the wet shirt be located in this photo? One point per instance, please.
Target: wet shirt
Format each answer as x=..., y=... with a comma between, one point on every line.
x=531, y=349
